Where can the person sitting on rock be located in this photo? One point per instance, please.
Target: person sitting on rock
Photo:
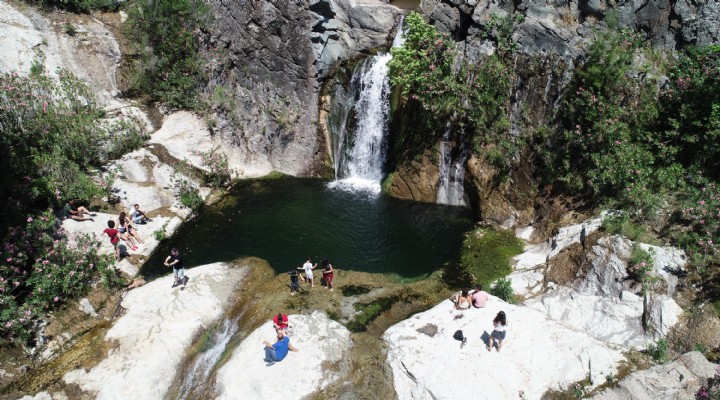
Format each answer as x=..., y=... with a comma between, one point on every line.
x=130, y=229
x=138, y=216
x=123, y=232
x=71, y=211
x=278, y=351
x=498, y=333
x=479, y=297
x=462, y=301
x=280, y=322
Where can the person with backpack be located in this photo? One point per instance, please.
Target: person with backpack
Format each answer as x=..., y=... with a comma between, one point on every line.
x=294, y=281
x=278, y=351
x=498, y=333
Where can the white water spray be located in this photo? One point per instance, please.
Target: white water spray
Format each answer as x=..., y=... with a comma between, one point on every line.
x=362, y=168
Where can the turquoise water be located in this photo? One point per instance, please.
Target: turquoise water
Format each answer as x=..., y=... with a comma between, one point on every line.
x=285, y=220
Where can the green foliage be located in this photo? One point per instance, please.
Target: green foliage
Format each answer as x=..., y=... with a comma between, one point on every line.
x=619, y=223
x=502, y=288
x=658, y=351
x=188, y=194
x=168, y=67
x=701, y=215
x=160, y=235
x=467, y=98
x=51, y=137
x=218, y=172
x=368, y=312
x=40, y=271
x=500, y=28
x=125, y=134
x=486, y=254
x=641, y=269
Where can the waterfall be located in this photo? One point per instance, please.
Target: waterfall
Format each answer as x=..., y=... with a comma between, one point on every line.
x=452, y=173
x=197, y=376
x=360, y=154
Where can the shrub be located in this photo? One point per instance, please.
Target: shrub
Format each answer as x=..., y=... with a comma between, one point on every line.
x=50, y=138
x=168, y=67
x=125, y=134
x=658, y=351
x=219, y=174
x=188, y=194
x=40, y=271
x=467, y=98
x=641, y=269
x=502, y=288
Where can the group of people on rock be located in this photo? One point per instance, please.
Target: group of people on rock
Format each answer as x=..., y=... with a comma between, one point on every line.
x=277, y=351
x=126, y=230
x=477, y=299
x=327, y=270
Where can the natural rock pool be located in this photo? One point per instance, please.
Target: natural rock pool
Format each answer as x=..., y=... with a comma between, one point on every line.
x=285, y=220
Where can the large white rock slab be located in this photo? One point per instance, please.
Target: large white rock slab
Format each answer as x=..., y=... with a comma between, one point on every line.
x=538, y=354
x=320, y=361
x=159, y=324
x=679, y=379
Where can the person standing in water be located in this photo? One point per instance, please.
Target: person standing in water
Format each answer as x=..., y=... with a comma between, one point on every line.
x=308, y=267
x=328, y=274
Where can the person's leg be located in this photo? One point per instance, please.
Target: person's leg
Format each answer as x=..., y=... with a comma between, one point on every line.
x=330, y=282
x=175, y=276
x=270, y=356
x=127, y=238
x=490, y=346
x=117, y=252
x=312, y=284
x=182, y=276
x=500, y=343
x=83, y=210
x=136, y=235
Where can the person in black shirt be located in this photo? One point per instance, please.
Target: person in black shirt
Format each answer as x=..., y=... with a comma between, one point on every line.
x=175, y=260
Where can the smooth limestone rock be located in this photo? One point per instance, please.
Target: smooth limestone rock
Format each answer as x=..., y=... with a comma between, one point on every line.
x=539, y=353
x=320, y=361
x=152, y=336
x=679, y=379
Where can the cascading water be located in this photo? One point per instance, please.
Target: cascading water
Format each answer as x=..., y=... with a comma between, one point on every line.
x=196, y=377
x=360, y=156
x=452, y=173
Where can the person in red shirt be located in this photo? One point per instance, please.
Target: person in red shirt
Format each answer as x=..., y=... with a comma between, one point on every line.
x=114, y=239
x=280, y=322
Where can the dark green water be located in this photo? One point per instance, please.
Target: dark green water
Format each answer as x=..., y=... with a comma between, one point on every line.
x=285, y=220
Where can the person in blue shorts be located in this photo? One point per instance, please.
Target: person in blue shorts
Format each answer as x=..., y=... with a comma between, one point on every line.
x=278, y=351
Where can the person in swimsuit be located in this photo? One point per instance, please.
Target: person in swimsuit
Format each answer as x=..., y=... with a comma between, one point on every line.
x=308, y=267
x=462, y=302
x=498, y=333
x=123, y=232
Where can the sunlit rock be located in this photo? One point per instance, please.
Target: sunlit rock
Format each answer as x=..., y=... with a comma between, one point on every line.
x=539, y=353
x=152, y=336
x=320, y=361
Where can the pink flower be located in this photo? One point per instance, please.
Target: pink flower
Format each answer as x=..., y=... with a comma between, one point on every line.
x=701, y=202
x=29, y=219
x=56, y=299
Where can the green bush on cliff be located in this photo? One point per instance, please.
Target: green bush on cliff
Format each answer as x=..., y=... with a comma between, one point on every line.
x=468, y=99
x=167, y=65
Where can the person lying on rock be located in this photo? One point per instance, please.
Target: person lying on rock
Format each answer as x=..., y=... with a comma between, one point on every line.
x=479, y=297
x=278, y=351
x=77, y=213
x=462, y=301
x=138, y=216
x=498, y=333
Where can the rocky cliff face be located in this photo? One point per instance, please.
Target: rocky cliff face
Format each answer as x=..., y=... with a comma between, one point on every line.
x=268, y=60
x=551, y=36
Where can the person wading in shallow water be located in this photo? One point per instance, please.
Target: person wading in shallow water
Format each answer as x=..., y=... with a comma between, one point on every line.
x=175, y=260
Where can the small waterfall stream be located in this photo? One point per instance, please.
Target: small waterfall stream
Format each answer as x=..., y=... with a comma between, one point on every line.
x=360, y=153
x=197, y=376
x=452, y=173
